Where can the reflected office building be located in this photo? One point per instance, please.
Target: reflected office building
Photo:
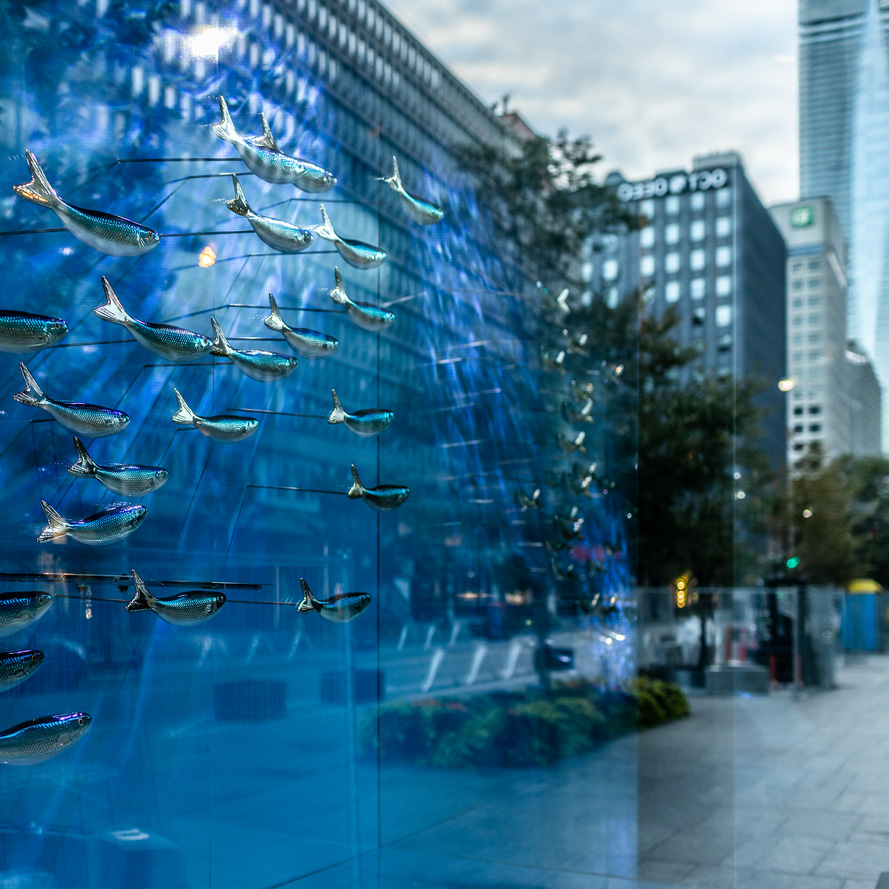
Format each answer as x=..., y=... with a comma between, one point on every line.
x=844, y=127
x=825, y=407
x=707, y=247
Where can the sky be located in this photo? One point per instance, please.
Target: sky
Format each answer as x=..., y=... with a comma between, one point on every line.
x=652, y=82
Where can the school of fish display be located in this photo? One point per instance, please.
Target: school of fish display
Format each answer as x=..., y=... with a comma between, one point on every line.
x=21, y=332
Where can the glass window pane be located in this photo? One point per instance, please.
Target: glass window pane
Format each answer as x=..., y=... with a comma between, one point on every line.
x=672, y=291
x=723, y=316
x=671, y=262
x=698, y=288
x=646, y=266
x=646, y=236
x=697, y=259
x=697, y=230
x=671, y=233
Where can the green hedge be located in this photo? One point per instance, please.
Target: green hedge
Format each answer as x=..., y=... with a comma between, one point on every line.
x=516, y=728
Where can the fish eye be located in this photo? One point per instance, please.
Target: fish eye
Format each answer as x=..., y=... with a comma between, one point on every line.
x=80, y=720
x=34, y=656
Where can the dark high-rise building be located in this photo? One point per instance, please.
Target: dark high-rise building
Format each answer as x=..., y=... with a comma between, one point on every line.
x=712, y=251
x=843, y=134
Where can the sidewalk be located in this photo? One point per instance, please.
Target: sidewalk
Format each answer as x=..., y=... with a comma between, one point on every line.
x=768, y=792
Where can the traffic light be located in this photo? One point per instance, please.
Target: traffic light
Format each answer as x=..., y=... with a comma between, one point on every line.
x=793, y=562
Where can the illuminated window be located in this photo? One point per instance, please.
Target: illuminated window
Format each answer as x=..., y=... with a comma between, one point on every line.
x=646, y=266
x=697, y=200
x=697, y=259
x=723, y=256
x=723, y=316
x=671, y=262
x=697, y=229
x=724, y=197
x=646, y=237
x=609, y=269
x=723, y=226
x=671, y=233
x=724, y=285
x=672, y=292
x=698, y=288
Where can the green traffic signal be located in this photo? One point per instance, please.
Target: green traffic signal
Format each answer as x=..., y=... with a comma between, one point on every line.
x=793, y=562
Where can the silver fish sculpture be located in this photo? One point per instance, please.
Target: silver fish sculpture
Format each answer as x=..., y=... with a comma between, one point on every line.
x=41, y=738
x=263, y=157
x=579, y=344
x=285, y=237
x=88, y=420
x=262, y=366
x=365, y=315
x=572, y=414
x=109, y=234
x=523, y=501
x=23, y=332
x=125, y=479
x=420, y=210
x=106, y=526
x=339, y=609
x=570, y=526
x=305, y=342
x=562, y=572
x=20, y=610
x=224, y=428
x=581, y=392
x=182, y=610
x=17, y=666
x=365, y=423
x=356, y=253
x=167, y=342
x=568, y=445
x=554, y=303
x=381, y=498
x=554, y=363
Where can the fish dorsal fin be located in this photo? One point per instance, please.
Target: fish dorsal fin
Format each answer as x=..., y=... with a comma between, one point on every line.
x=357, y=489
x=274, y=321
x=266, y=140
x=185, y=416
x=337, y=415
x=56, y=525
x=221, y=346
x=85, y=465
x=143, y=599
x=112, y=311
x=238, y=204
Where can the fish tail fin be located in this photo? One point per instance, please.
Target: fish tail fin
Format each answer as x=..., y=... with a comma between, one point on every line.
x=185, y=415
x=274, y=321
x=85, y=465
x=38, y=190
x=266, y=140
x=25, y=396
x=142, y=600
x=225, y=129
x=238, y=204
x=357, y=489
x=394, y=181
x=326, y=229
x=309, y=601
x=338, y=294
x=337, y=415
x=221, y=346
x=56, y=525
x=112, y=311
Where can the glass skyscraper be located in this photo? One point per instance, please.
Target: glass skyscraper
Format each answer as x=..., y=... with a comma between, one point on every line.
x=844, y=136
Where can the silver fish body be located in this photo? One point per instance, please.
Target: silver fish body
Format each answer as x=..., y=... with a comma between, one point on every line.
x=23, y=332
x=365, y=423
x=365, y=315
x=523, y=501
x=258, y=365
x=263, y=157
x=17, y=666
x=88, y=420
x=285, y=237
x=358, y=254
x=182, y=610
x=100, y=529
x=125, y=479
x=570, y=526
x=165, y=341
x=305, y=342
x=419, y=209
x=223, y=428
x=106, y=233
x=339, y=609
x=41, y=738
x=20, y=610
x=382, y=498
x=573, y=414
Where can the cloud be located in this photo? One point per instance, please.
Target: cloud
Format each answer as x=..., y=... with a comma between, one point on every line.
x=654, y=83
